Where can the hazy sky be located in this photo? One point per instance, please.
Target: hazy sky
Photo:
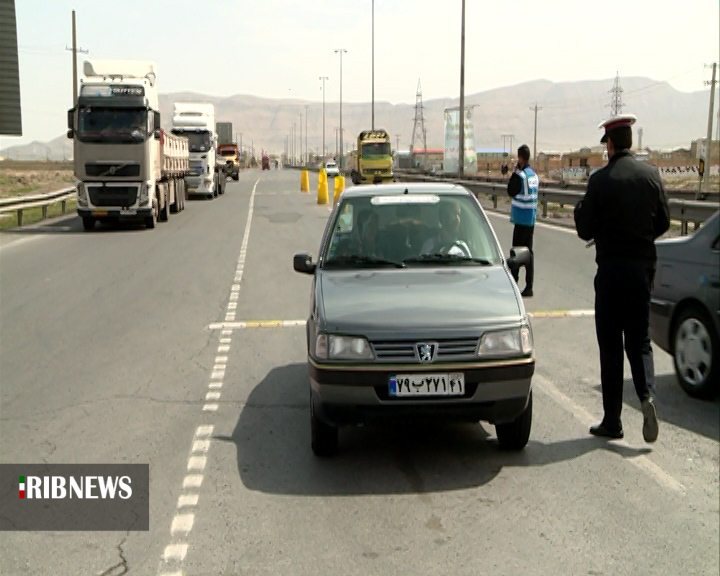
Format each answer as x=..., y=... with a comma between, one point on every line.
x=278, y=49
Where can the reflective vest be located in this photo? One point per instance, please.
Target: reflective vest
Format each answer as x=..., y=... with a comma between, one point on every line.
x=523, y=210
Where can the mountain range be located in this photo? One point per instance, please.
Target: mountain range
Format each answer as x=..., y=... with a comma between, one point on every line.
x=567, y=118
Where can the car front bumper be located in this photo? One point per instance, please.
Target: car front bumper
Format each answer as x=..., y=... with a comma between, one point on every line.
x=495, y=392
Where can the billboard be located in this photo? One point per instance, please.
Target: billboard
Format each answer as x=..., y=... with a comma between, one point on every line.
x=452, y=141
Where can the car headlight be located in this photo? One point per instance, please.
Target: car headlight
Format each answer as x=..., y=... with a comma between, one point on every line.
x=342, y=347
x=144, y=197
x=503, y=342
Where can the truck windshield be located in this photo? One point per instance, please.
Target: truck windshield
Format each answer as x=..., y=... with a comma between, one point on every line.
x=376, y=149
x=197, y=141
x=113, y=125
x=228, y=152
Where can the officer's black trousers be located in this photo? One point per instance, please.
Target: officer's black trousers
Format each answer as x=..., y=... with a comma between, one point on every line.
x=523, y=236
x=622, y=308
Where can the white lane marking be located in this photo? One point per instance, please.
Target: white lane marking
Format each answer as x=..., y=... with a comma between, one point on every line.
x=642, y=462
x=196, y=463
x=581, y=313
x=193, y=481
x=175, y=552
x=258, y=324
x=187, y=501
x=182, y=523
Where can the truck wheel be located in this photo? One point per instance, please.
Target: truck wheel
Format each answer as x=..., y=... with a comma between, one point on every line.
x=175, y=206
x=150, y=220
x=216, y=183
x=515, y=435
x=88, y=223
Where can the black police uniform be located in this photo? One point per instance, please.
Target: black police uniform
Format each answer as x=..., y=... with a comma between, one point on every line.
x=624, y=210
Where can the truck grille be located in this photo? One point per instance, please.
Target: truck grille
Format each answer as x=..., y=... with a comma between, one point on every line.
x=405, y=351
x=118, y=196
x=120, y=169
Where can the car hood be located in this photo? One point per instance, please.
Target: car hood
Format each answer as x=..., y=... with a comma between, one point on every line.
x=458, y=297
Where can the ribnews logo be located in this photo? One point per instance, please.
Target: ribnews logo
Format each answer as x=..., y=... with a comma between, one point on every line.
x=87, y=497
x=85, y=487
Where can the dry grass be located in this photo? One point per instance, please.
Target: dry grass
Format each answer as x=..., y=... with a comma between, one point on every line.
x=24, y=178
x=34, y=215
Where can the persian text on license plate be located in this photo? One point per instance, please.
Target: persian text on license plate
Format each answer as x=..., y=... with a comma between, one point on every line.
x=402, y=385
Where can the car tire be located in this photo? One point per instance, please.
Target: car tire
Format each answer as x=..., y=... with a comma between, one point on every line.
x=324, y=436
x=698, y=380
x=88, y=223
x=515, y=435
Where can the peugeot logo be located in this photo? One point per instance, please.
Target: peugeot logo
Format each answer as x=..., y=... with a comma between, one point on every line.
x=426, y=351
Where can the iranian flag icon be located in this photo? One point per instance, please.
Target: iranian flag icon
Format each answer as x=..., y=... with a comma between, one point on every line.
x=22, y=486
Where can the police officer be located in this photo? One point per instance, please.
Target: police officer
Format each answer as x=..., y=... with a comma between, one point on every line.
x=623, y=211
x=523, y=188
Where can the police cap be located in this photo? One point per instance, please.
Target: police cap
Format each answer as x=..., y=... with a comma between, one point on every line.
x=616, y=122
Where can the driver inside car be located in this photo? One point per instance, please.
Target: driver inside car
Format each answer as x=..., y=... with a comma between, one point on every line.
x=448, y=240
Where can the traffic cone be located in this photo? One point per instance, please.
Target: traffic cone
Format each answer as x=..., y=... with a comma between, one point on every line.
x=338, y=189
x=304, y=181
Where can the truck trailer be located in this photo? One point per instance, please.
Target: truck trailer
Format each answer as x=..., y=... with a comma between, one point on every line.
x=126, y=167
x=196, y=122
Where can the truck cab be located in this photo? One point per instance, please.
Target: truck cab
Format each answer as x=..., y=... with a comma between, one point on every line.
x=373, y=162
x=196, y=121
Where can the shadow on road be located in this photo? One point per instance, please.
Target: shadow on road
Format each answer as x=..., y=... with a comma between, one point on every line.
x=272, y=440
x=72, y=225
x=675, y=407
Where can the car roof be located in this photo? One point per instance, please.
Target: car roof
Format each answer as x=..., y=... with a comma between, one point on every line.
x=398, y=188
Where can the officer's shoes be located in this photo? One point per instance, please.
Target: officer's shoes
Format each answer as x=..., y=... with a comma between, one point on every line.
x=605, y=432
x=527, y=293
x=650, y=423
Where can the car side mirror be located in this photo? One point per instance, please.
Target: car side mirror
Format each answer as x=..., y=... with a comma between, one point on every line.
x=70, y=133
x=519, y=256
x=156, y=120
x=303, y=263
x=156, y=134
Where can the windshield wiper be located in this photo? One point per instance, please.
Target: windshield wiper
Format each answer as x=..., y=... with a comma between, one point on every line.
x=364, y=260
x=450, y=258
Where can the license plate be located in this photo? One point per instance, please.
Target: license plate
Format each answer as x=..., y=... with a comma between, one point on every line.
x=402, y=385
x=128, y=212
x=99, y=213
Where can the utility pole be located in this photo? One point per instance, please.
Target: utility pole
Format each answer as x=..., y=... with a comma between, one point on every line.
x=640, y=135
x=536, y=108
x=461, y=160
x=75, y=51
x=301, y=140
x=510, y=137
x=323, y=78
x=397, y=140
x=373, y=65
x=294, y=144
x=705, y=183
x=307, y=156
x=341, y=51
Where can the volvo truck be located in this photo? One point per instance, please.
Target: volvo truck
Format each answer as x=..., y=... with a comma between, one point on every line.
x=196, y=122
x=126, y=167
x=372, y=162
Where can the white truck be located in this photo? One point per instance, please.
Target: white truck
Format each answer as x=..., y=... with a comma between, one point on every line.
x=196, y=122
x=126, y=167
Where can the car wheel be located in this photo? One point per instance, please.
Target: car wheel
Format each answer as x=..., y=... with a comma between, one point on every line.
x=696, y=354
x=515, y=435
x=324, y=436
x=88, y=223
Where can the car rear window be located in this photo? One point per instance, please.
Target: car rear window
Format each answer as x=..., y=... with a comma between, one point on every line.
x=395, y=227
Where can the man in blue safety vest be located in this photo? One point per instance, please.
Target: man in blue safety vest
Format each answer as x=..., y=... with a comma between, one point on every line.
x=523, y=188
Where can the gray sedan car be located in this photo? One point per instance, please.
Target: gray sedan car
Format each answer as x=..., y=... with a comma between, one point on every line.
x=685, y=307
x=414, y=314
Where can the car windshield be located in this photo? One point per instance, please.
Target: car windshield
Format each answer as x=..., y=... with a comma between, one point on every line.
x=410, y=231
x=197, y=141
x=331, y=165
x=112, y=125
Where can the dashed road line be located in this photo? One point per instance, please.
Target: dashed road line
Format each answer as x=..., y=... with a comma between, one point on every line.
x=182, y=524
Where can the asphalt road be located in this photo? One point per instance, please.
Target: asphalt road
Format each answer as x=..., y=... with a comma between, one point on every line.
x=108, y=354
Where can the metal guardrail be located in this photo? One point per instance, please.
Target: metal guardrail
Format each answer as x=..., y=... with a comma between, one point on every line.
x=21, y=203
x=684, y=211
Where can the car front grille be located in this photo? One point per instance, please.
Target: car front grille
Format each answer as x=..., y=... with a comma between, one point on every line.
x=405, y=351
x=119, y=169
x=122, y=196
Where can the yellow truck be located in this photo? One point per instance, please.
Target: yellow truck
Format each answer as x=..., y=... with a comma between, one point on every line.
x=372, y=163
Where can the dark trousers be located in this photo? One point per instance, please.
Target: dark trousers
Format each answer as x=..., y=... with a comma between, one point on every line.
x=523, y=236
x=622, y=308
